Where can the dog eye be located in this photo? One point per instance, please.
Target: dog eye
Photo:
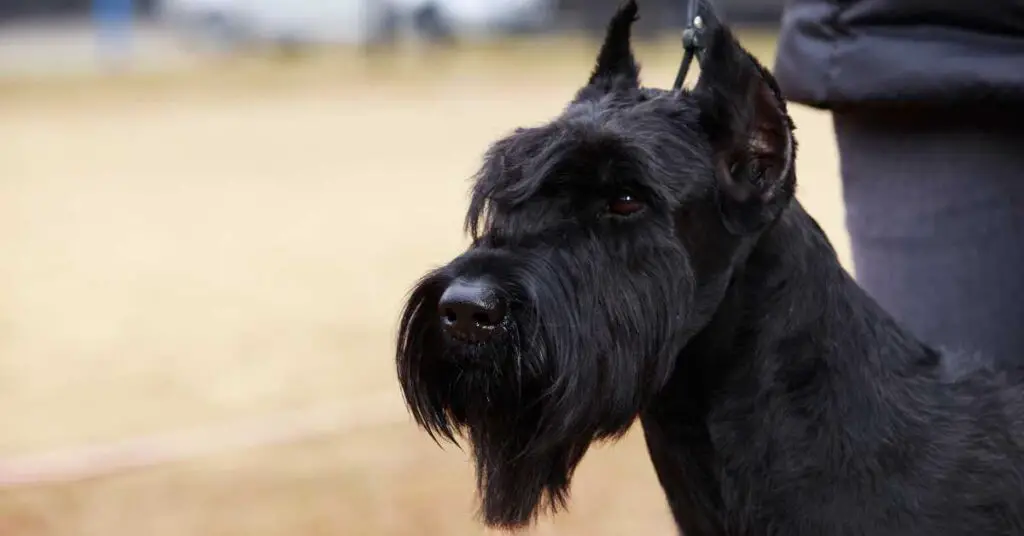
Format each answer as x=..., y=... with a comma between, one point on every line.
x=624, y=205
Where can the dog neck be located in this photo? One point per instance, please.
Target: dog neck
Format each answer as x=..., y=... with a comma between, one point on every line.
x=792, y=330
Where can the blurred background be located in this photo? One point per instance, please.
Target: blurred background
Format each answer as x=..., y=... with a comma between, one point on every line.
x=210, y=212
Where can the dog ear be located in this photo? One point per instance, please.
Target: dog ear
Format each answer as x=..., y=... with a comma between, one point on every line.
x=744, y=115
x=616, y=67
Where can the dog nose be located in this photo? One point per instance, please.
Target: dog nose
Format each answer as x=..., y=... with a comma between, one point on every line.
x=470, y=309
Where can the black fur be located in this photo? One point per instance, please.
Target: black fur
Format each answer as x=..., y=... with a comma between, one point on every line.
x=777, y=398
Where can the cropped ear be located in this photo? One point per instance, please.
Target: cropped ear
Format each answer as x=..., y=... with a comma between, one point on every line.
x=616, y=67
x=744, y=115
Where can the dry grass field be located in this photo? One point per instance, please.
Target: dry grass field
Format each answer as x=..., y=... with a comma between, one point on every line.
x=223, y=253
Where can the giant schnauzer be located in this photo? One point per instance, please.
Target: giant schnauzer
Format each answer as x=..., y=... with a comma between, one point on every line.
x=643, y=256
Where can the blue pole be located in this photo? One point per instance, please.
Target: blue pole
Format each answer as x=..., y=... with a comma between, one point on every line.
x=113, y=19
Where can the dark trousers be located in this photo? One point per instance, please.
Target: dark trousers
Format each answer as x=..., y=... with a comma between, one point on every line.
x=935, y=211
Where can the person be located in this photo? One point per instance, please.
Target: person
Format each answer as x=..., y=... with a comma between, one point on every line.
x=114, y=24
x=927, y=100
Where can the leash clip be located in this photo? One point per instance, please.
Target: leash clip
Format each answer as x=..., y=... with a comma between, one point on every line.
x=693, y=42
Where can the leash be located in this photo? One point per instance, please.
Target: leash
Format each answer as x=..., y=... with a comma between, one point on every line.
x=693, y=41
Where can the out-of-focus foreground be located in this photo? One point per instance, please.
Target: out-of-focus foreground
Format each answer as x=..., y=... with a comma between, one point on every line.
x=200, y=274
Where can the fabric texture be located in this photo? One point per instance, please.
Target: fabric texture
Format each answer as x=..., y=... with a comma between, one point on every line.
x=838, y=53
x=935, y=211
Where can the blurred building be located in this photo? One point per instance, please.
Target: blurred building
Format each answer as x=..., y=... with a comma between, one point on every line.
x=40, y=9
x=659, y=14
x=580, y=10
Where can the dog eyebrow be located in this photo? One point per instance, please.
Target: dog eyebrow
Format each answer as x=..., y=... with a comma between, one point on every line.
x=585, y=169
x=579, y=158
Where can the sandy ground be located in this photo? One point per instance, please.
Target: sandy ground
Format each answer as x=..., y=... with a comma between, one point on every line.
x=195, y=250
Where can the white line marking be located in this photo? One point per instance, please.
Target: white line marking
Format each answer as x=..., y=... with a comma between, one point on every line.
x=97, y=460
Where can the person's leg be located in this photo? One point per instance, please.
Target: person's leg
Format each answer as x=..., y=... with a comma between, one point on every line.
x=935, y=211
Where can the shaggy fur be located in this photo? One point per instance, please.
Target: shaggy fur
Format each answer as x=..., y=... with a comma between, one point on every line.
x=654, y=264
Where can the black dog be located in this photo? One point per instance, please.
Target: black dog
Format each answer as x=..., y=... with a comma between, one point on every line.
x=643, y=256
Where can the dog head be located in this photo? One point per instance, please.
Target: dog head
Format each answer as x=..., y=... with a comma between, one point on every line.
x=602, y=241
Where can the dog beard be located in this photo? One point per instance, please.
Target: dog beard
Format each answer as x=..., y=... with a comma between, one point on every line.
x=569, y=368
